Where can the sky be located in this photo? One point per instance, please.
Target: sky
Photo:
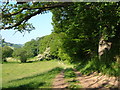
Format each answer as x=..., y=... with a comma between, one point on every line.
x=42, y=24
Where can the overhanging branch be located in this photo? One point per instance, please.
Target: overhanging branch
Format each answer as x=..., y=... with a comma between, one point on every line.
x=40, y=10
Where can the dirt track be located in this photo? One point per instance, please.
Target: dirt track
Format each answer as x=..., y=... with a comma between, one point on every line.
x=93, y=80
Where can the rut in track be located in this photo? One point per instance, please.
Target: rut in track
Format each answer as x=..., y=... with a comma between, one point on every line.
x=59, y=81
x=96, y=80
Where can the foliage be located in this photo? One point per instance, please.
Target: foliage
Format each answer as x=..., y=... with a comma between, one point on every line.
x=78, y=28
x=73, y=86
x=70, y=77
x=21, y=54
x=83, y=24
x=44, y=43
x=93, y=65
x=31, y=48
x=69, y=73
x=55, y=44
x=6, y=52
x=15, y=16
x=51, y=41
x=38, y=46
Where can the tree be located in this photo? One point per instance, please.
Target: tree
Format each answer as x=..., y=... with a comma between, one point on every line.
x=21, y=54
x=15, y=16
x=84, y=24
x=6, y=52
x=51, y=41
x=31, y=48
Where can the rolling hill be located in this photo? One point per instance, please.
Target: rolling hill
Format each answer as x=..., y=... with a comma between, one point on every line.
x=10, y=44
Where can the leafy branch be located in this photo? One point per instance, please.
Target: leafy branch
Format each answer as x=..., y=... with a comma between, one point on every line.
x=26, y=16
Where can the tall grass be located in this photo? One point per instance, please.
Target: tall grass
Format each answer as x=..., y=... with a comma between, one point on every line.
x=96, y=65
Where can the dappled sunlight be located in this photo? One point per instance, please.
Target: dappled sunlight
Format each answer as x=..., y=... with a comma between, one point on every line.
x=95, y=80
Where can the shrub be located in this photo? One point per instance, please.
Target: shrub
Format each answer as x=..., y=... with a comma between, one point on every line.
x=21, y=54
x=6, y=52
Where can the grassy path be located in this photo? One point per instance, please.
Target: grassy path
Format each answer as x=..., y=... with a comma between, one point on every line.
x=66, y=79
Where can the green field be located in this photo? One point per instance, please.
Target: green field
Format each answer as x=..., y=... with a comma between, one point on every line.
x=30, y=75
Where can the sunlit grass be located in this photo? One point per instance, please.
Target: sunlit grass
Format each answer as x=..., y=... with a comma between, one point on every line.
x=43, y=80
x=17, y=74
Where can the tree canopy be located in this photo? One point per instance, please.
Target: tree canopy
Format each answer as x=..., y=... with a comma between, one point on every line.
x=83, y=24
x=101, y=17
x=16, y=16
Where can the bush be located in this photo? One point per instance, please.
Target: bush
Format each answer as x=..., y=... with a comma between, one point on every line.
x=6, y=52
x=21, y=54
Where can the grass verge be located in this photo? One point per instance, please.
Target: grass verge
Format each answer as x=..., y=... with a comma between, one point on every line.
x=95, y=65
x=70, y=78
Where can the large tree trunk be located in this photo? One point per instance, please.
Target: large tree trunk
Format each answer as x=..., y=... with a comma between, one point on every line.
x=109, y=50
x=103, y=48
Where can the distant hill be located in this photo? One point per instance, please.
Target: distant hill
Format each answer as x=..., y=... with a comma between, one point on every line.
x=11, y=44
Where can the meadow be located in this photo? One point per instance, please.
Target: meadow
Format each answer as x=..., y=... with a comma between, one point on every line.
x=30, y=75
